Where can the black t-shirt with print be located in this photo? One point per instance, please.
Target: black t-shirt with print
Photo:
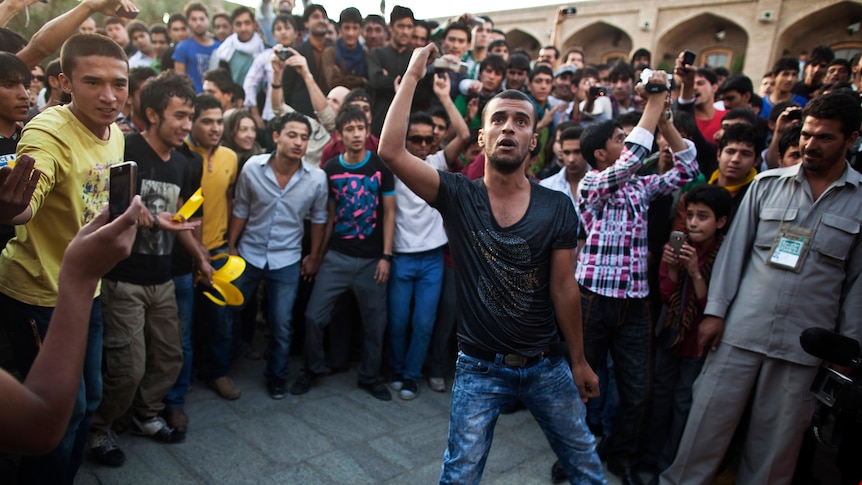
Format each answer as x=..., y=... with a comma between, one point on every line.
x=161, y=184
x=503, y=274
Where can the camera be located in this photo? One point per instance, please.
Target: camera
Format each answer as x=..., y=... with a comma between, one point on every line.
x=653, y=88
x=283, y=54
x=596, y=91
x=835, y=390
x=570, y=11
x=688, y=59
x=442, y=64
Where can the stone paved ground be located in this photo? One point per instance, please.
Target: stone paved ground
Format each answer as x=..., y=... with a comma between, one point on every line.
x=335, y=434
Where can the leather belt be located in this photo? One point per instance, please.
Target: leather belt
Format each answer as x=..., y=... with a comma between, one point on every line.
x=509, y=360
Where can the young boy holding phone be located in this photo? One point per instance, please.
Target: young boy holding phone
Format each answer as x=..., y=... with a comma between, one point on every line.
x=683, y=280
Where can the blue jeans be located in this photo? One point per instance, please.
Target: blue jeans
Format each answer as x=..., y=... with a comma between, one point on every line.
x=623, y=327
x=281, y=286
x=60, y=465
x=219, y=321
x=603, y=410
x=185, y=291
x=483, y=389
x=419, y=278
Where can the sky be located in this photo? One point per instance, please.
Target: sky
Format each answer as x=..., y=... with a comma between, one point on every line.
x=421, y=9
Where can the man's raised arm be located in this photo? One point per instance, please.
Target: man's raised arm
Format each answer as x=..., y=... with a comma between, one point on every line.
x=423, y=180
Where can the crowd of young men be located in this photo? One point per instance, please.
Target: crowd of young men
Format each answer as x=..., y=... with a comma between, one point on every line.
x=396, y=162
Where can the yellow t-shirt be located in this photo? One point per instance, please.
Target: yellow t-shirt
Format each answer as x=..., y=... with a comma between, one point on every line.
x=75, y=167
x=219, y=176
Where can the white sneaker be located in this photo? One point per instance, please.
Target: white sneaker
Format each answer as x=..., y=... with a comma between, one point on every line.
x=396, y=382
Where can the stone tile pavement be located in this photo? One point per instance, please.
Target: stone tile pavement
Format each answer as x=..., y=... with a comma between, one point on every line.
x=335, y=434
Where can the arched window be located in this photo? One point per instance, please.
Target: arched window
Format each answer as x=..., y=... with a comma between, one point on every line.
x=716, y=57
x=846, y=50
x=613, y=57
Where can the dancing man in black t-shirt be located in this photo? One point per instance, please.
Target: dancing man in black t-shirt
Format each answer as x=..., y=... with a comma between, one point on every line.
x=513, y=244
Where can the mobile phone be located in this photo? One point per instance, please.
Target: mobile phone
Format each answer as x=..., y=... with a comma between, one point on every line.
x=676, y=240
x=123, y=187
x=570, y=11
x=596, y=91
x=688, y=59
x=128, y=14
x=283, y=54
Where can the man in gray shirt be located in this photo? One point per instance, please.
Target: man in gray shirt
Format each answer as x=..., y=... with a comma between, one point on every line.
x=274, y=194
x=791, y=260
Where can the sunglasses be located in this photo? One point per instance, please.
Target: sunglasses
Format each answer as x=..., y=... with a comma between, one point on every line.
x=41, y=79
x=419, y=139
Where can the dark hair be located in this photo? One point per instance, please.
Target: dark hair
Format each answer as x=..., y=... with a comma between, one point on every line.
x=198, y=7
x=13, y=69
x=574, y=49
x=286, y=19
x=111, y=21
x=540, y=69
x=240, y=11
x=632, y=118
x=178, y=17
x=556, y=51
x=621, y=70
x=580, y=74
x=741, y=133
x=420, y=118
x=223, y=15
x=83, y=45
x=349, y=114
x=497, y=43
x=356, y=94
x=737, y=82
x=53, y=70
x=458, y=26
x=779, y=108
x=571, y=133
x=721, y=71
x=837, y=86
x=375, y=19
x=640, y=53
x=595, y=137
x=206, y=102
x=837, y=105
x=221, y=78
x=158, y=29
x=717, y=198
x=138, y=76
x=789, y=138
x=310, y=9
x=157, y=93
x=707, y=74
x=11, y=41
x=440, y=112
x=279, y=122
x=786, y=63
x=398, y=13
x=821, y=53
x=746, y=114
x=350, y=15
x=517, y=96
x=494, y=62
x=518, y=61
x=232, y=118
x=136, y=26
x=756, y=101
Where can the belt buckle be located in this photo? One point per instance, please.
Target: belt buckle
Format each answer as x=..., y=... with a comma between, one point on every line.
x=514, y=360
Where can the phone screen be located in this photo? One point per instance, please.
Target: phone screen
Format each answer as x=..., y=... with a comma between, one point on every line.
x=122, y=187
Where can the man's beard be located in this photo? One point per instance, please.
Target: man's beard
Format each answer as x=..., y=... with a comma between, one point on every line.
x=504, y=164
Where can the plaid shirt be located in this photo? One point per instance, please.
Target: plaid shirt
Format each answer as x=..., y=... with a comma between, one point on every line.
x=613, y=205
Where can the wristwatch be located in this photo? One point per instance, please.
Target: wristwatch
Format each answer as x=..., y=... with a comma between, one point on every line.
x=387, y=257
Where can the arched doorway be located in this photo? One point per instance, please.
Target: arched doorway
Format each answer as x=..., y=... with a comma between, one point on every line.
x=718, y=42
x=518, y=39
x=601, y=42
x=837, y=26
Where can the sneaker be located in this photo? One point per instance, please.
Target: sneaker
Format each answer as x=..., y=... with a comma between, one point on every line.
x=437, y=384
x=409, y=390
x=558, y=473
x=377, y=389
x=103, y=446
x=303, y=383
x=396, y=382
x=276, y=388
x=156, y=428
x=225, y=388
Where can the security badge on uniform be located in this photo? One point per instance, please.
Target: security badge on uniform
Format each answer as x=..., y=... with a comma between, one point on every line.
x=790, y=247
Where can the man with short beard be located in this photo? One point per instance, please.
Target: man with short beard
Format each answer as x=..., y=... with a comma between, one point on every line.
x=295, y=91
x=192, y=56
x=237, y=52
x=514, y=244
x=388, y=62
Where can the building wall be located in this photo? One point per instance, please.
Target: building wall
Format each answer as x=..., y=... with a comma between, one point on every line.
x=754, y=33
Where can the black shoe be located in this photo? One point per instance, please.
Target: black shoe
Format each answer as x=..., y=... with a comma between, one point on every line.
x=627, y=474
x=103, y=446
x=276, y=388
x=156, y=428
x=377, y=389
x=596, y=429
x=558, y=473
x=303, y=383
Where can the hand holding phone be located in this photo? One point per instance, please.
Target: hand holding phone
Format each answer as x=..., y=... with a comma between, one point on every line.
x=676, y=240
x=123, y=187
